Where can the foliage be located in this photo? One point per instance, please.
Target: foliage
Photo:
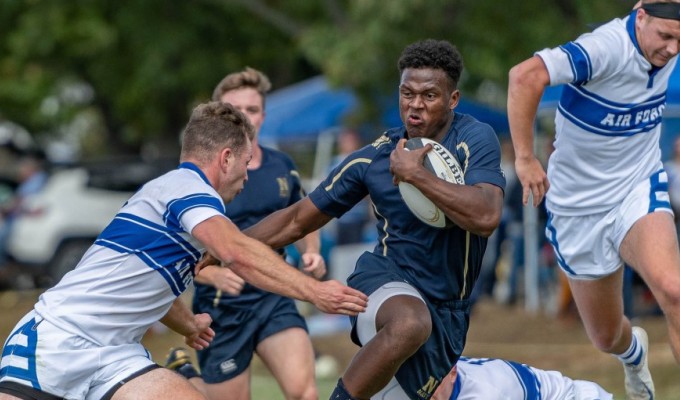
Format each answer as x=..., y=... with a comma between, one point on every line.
x=147, y=63
x=124, y=73
x=490, y=35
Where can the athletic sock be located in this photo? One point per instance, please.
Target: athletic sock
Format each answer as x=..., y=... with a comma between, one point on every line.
x=632, y=356
x=340, y=392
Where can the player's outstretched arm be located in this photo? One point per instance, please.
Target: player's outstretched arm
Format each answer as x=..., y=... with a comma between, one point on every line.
x=527, y=81
x=195, y=328
x=286, y=226
x=262, y=267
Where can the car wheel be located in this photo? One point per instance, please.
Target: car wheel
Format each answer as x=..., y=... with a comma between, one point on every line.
x=67, y=257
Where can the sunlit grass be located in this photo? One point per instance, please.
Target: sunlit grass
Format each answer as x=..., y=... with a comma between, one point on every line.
x=264, y=387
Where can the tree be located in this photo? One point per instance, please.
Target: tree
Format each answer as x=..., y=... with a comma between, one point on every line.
x=144, y=63
x=491, y=35
x=129, y=72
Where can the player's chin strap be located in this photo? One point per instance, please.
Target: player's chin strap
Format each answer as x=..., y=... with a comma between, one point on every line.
x=663, y=10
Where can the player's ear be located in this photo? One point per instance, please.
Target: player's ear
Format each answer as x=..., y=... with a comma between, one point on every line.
x=454, y=99
x=225, y=158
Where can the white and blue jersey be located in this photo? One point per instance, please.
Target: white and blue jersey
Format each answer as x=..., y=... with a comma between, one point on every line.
x=608, y=121
x=138, y=265
x=490, y=378
x=273, y=186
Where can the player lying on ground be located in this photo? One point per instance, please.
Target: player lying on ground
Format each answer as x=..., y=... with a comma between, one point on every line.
x=493, y=378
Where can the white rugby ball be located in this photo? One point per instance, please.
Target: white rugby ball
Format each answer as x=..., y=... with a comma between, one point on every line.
x=442, y=164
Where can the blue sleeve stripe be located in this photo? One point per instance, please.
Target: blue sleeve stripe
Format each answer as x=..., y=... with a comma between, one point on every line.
x=579, y=60
x=528, y=380
x=177, y=207
x=588, y=61
x=164, y=251
x=597, y=115
x=571, y=62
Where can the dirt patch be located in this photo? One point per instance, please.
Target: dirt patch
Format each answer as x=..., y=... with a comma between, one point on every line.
x=496, y=331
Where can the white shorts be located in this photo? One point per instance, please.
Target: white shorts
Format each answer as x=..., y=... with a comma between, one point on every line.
x=40, y=355
x=587, y=247
x=365, y=328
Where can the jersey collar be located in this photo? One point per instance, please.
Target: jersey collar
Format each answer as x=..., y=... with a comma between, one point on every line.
x=630, y=27
x=194, y=167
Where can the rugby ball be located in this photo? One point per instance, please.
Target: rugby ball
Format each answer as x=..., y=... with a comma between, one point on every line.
x=442, y=164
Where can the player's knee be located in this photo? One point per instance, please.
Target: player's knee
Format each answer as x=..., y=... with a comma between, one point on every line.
x=302, y=392
x=300, y=388
x=605, y=340
x=668, y=295
x=412, y=330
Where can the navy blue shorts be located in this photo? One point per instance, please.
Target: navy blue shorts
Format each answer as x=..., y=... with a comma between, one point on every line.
x=238, y=331
x=420, y=374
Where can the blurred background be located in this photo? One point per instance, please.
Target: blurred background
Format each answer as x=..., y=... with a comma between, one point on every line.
x=94, y=95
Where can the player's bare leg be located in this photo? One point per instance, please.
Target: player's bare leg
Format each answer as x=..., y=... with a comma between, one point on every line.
x=651, y=248
x=156, y=384
x=236, y=388
x=290, y=358
x=403, y=324
x=600, y=306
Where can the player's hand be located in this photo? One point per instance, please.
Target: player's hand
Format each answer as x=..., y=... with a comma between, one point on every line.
x=314, y=264
x=207, y=259
x=534, y=180
x=445, y=388
x=404, y=163
x=203, y=335
x=225, y=279
x=333, y=297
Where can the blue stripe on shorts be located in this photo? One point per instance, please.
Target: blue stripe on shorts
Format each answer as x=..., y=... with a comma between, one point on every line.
x=15, y=350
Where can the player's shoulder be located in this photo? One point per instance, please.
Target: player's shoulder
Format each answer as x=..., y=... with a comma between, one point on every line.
x=385, y=142
x=177, y=187
x=278, y=156
x=468, y=128
x=184, y=177
x=611, y=37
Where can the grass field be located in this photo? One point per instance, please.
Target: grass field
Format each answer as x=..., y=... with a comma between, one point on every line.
x=496, y=331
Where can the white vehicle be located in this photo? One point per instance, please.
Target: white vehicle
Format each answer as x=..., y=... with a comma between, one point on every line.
x=65, y=218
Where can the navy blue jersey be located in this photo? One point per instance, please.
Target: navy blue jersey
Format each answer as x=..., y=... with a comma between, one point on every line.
x=442, y=263
x=271, y=187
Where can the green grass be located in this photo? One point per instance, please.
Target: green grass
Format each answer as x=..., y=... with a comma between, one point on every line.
x=264, y=386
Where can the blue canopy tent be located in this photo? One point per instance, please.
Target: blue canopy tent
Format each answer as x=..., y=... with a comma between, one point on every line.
x=670, y=127
x=303, y=110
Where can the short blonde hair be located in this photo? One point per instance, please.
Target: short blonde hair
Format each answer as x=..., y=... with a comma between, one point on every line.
x=212, y=127
x=249, y=77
